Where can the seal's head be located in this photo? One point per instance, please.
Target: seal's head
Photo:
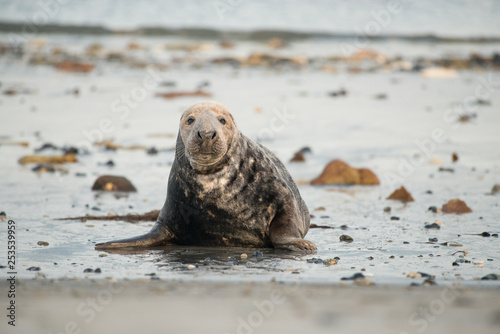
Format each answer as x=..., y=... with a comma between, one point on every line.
x=207, y=131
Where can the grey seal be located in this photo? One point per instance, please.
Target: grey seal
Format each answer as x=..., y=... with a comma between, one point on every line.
x=225, y=190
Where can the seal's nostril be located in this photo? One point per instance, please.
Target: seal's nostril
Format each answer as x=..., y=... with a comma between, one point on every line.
x=215, y=133
x=199, y=135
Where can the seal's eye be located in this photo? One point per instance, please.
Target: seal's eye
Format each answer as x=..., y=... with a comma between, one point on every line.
x=223, y=121
x=190, y=120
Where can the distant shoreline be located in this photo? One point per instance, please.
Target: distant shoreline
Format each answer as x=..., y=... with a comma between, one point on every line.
x=216, y=34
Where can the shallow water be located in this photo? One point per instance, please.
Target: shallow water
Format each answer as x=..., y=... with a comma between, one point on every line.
x=363, y=131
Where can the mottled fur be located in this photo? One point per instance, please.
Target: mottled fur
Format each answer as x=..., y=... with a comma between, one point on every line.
x=225, y=190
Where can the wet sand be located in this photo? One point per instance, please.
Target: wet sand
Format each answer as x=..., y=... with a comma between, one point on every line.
x=100, y=306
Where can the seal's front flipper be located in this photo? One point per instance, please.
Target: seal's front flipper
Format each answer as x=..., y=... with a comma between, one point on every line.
x=298, y=244
x=159, y=235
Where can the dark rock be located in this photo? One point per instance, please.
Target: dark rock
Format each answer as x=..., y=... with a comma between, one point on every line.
x=446, y=169
x=485, y=234
x=433, y=209
x=495, y=189
x=42, y=243
x=454, y=157
x=88, y=270
x=33, y=269
x=46, y=146
x=80, y=174
x=305, y=150
x=340, y=92
x=152, y=151
x=433, y=226
x=491, y=277
x=44, y=168
x=429, y=192
x=433, y=239
x=402, y=195
x=455, y=264
x=315, y=260
x=113, y=183
x=456, y=206
x=346, y=238
x=387, y=209
x=394, y=218
x=70, y=150
x=109, y=163
x=353, y=277
x=258, y=254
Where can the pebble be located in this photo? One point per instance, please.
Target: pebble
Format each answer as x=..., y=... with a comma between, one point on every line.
x=433, y=226
x=356, y=276
x=491, y=277
x=243, y=256
x=258, y=254
x=346, y=238
x=315, y=260
x=3, y=216
x=433, y=239
x=191, y=266
x=433, y=209
x=98, y=271
x=387, y=209
x=88, y=270
x=394, y=218
x=33, y=269
x=42, y=243
x=152, y=151
x=485, y=234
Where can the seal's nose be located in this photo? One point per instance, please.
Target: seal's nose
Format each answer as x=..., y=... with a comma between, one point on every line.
x=207, y=135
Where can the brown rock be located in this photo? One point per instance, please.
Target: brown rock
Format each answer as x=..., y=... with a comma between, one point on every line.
x=113, y=183
x=69, y=66
x=41, y=159
x=298, y=157
x=454, y=157
x=368, y=177
x=456, y=206
x=174, y=95
x=495, y=189
x=338, y=172
x=402, y=195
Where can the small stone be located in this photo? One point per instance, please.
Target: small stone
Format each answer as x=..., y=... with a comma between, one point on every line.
x=258, y=254
x=406, y=242
x=346, y=238
x=98, y=271
x=455, y=264
x=491, y=277
x=429, y=282
x=103, y=255
x=433, y=209
x=456, y=206
x=315, y=260
x=412, y=274
x=150, y=274
x=387, y=209
x=356, y=276
x=33, y=269
x=191, y=267
x=434, y=225
x=152, y=151
x=42, y=243
x=88, y=270
x=495, y=235
x=298, y=157
x=454, y=157
x=402, y=195
x=446, y=169
x=331, y=262
x=113, y=183
x=394, y=218
x=433, y=239
x=243, y=256
x=495, y=189
x=485, y=234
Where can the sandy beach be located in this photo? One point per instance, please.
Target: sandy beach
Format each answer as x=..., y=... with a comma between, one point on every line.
x=101, y=95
